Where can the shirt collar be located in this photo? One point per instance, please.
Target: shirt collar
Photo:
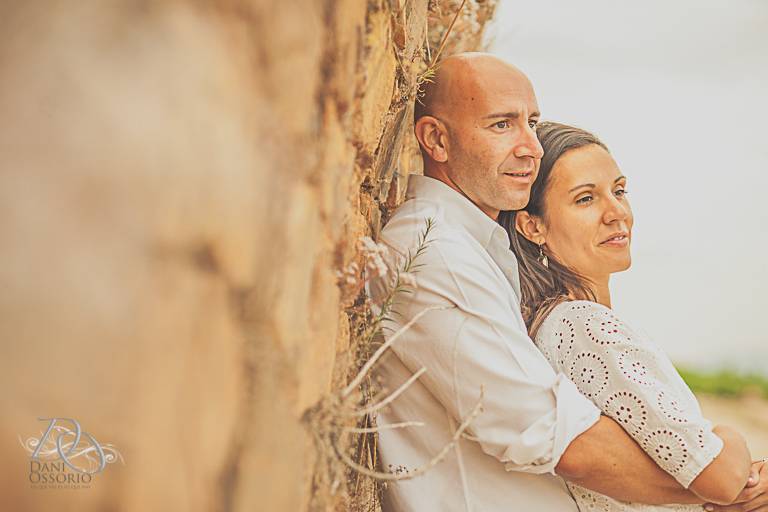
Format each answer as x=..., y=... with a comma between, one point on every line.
x=458, y=209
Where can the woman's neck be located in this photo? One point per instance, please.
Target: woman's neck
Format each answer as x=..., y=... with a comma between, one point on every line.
x=602, y=292
x=599, y=288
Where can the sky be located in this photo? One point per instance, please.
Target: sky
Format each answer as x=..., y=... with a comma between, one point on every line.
x=679, y=93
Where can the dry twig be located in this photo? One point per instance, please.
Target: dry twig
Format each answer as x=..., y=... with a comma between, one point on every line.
x=390, y=426
x=329, y=419
x=375, y=357
x=477, y=409
x=447, y=33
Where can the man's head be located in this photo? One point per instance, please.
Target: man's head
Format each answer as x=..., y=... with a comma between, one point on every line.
x=475, y=124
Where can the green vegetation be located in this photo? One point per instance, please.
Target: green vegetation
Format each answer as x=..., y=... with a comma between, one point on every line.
x=725, y=382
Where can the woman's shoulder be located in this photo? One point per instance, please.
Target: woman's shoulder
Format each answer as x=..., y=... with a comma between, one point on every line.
x=585, y=317
x=577, y=310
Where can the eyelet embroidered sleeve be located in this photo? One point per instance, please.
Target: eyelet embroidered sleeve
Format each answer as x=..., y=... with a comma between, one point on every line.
x=633, y=382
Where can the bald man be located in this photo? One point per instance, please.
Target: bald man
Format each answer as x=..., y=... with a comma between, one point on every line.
x=475, y=125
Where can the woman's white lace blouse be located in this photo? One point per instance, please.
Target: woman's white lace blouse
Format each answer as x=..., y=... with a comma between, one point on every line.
x=632, y=381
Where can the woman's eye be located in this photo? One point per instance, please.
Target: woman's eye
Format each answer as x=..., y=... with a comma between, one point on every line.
x=584, y=200
x=620, y=192
x=502, y=125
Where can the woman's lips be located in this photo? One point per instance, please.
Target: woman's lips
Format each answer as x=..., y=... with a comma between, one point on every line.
x=616, y=240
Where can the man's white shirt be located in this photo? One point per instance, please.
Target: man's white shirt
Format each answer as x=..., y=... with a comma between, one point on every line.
x=529, y=414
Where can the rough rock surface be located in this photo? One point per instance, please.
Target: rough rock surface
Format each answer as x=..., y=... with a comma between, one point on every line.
x=181, y=182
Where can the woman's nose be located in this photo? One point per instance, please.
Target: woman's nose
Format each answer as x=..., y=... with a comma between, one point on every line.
x=616, y=211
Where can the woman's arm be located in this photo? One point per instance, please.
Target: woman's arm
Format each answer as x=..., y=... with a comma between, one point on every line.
x=635, y=384
x=606, y=460
x=725, y=477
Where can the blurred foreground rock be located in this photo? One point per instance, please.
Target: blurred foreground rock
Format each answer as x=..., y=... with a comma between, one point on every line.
x=180, y=183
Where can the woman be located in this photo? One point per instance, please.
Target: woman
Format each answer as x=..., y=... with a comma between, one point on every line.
x=574, y=233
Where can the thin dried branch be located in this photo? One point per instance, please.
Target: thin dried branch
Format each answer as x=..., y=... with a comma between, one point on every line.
x=389, y=426
x=476, y=410
x=404, y=17
x=375, y=357
x=330, y=418
x=447, y=33
x=400, y=286
x=399, y=391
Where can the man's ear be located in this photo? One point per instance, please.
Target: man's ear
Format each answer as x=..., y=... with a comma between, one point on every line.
x=431, y=134
x=530, y=227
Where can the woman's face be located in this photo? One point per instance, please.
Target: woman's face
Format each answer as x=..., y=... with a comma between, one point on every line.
x=587, y=218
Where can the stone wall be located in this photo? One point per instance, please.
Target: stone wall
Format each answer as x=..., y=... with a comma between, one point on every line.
x=181, y=183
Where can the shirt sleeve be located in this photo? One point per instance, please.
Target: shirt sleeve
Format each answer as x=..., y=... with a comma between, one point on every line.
x=633, y=382
x=529, y=414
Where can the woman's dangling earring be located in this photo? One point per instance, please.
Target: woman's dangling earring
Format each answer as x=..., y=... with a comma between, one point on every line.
x=543, y=257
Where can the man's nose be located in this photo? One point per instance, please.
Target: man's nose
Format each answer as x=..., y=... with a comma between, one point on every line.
x=529, y=145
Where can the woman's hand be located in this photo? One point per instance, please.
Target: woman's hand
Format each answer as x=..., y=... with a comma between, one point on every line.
x=754, y=497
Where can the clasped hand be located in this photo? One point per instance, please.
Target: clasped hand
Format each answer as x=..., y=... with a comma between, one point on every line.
x=754, y=497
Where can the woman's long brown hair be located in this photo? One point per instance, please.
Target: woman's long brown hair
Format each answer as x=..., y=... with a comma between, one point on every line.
x=544, y=287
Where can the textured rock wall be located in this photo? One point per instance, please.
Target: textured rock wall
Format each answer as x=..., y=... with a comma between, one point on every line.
x=180, y=183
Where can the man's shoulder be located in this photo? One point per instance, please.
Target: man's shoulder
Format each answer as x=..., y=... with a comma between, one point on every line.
x=450, y=255
x=408, y=225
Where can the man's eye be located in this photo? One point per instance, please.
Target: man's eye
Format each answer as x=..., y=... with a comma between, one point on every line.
x=533, y=124
x=502, y=125
x=584, y=200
